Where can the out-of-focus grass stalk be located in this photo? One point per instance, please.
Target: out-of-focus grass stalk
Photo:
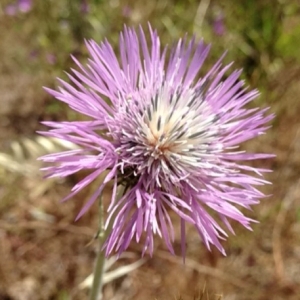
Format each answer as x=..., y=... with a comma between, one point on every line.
x=200, y=16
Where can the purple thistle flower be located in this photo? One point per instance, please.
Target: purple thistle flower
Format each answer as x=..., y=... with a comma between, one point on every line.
x=25, y=5
x=11, y=10
x=218, y=24
x=126, y=11
x=84, y=6
x=51, y=58
x=166, y=134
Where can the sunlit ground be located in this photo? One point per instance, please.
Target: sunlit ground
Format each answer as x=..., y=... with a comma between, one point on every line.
x=44, y=254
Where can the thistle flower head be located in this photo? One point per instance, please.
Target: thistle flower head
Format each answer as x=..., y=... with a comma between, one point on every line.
x=165, y=131
x=23, y=6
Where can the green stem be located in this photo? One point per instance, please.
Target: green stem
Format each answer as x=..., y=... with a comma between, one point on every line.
x=96, y=290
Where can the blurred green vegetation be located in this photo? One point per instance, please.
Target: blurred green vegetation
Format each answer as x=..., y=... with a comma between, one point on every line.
x=260, y=36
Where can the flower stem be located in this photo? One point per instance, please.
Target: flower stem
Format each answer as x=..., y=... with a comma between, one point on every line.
x=96, y=290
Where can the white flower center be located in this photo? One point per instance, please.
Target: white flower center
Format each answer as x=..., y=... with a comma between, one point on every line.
x=172, y=136
x=181, y=127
